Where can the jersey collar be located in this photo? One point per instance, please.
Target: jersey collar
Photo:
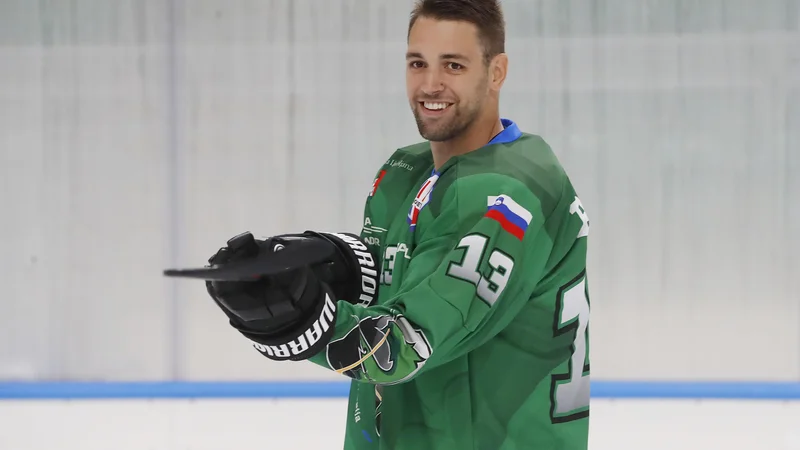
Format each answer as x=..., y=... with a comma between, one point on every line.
x=510, y=133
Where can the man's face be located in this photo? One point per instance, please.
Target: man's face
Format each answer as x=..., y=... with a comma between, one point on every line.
x=446, y=79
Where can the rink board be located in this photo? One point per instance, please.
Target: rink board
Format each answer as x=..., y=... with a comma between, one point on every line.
x=177, y=390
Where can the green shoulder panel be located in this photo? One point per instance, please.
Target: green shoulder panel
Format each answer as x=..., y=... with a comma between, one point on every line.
x=410, y=157
x=528, y=160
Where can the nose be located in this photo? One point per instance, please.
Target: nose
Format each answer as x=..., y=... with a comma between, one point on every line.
x=433, y=83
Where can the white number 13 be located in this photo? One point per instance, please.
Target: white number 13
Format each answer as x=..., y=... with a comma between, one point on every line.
x=488, y=288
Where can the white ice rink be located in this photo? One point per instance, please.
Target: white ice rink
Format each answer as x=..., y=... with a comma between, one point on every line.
x=319, y=424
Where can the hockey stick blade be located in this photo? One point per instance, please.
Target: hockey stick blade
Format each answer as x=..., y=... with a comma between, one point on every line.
x=294, y=256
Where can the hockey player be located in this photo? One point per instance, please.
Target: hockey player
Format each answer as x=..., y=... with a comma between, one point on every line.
x=460, y=312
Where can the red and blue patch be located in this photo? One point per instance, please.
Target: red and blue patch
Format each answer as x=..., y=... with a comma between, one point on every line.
x=512, y=217
x=422, y=199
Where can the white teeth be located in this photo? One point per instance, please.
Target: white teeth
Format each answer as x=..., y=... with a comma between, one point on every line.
x=435, y=106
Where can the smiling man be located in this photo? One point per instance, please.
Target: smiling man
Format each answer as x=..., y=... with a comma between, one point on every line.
x=456, y=67
x=460, y=312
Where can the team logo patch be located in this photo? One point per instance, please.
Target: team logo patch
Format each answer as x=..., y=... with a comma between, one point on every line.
x=383, y=349
x=376, y=182
x=422, y=199
x=512, y=217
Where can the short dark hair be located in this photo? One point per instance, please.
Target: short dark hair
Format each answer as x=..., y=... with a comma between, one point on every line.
x=486, y=15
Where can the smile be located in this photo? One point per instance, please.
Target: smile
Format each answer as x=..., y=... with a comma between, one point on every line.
x=435, y=106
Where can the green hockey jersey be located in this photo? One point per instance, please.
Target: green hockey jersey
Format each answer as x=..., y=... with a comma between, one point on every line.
x=478, y=337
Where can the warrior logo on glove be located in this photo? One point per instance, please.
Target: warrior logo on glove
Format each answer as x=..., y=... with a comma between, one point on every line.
x=369, y=273
x=291, y=314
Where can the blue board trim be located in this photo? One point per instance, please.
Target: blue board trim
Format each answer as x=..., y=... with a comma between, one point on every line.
x=199, y=389
x=697, y=390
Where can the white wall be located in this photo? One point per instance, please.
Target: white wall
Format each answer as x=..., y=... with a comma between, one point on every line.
x=136, y=135
x=319, y=424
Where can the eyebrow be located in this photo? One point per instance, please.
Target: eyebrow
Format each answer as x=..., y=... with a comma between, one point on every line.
x=411, y=55
x=454, y=56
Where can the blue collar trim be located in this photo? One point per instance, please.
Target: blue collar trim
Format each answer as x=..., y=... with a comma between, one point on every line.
x=510, y=134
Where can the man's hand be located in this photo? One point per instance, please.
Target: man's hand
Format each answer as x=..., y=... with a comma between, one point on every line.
x=291, y=315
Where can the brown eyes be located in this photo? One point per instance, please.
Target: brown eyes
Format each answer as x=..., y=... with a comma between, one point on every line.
x=450, y=66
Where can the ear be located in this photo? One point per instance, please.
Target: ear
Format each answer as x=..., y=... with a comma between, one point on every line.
x=498, y=70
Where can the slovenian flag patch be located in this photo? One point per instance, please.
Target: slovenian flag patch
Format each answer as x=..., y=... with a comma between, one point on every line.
x=512, y=217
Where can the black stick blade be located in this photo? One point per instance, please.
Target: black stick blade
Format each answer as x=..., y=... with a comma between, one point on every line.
x=297, y=255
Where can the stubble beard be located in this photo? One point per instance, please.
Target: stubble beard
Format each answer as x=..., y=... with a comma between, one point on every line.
x=452, y=128
x=461, y=120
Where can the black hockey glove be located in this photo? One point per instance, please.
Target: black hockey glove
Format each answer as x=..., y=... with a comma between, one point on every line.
x=291, y=315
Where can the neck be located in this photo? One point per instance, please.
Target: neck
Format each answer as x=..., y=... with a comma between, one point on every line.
x=476, y=136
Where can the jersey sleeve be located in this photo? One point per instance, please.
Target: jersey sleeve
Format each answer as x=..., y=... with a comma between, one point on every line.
x=472, y=270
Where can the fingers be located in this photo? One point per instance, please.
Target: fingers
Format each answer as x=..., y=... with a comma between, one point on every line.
x=240, y=246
